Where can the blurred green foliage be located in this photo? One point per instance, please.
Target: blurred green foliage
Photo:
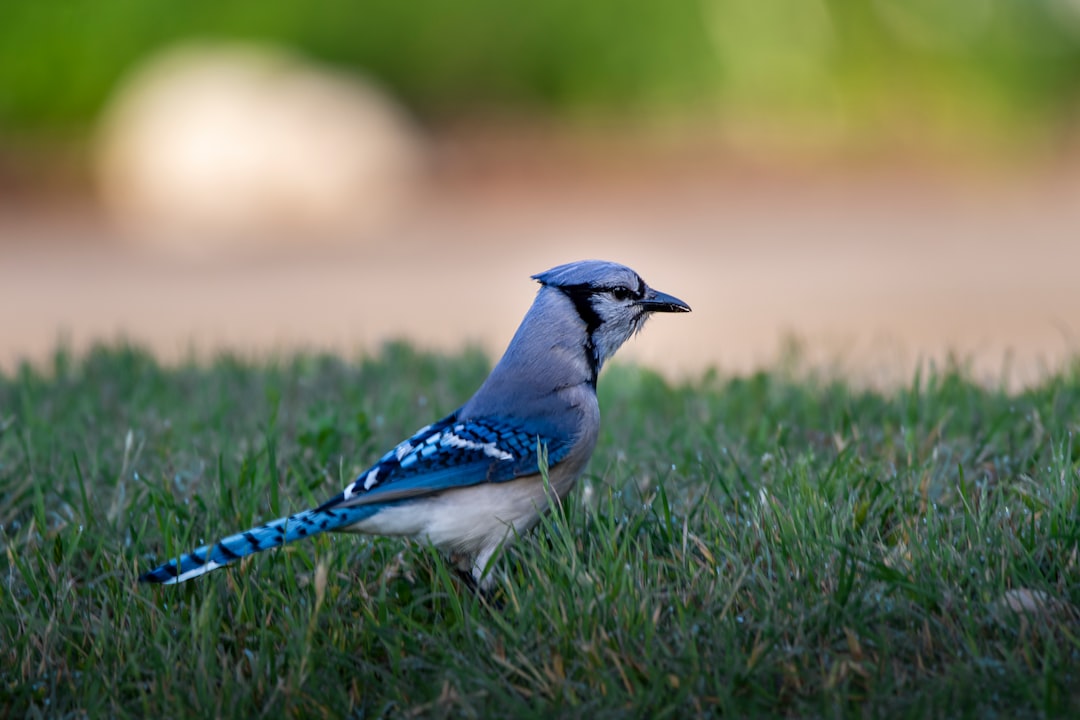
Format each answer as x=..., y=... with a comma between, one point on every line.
x=854, y=67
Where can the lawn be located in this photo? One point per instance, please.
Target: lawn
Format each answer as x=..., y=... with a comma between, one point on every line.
x=783, y=544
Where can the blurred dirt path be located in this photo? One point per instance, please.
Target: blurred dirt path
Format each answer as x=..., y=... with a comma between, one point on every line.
x=874, y=272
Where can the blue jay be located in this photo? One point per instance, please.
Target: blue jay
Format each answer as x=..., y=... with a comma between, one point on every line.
x=471, y=481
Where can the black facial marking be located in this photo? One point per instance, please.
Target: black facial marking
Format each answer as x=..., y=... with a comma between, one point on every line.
x=581, y=296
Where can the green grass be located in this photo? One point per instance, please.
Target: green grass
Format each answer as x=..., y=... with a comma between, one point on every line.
x=777, y=545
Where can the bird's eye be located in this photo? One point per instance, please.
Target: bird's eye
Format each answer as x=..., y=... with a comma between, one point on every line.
x=621, y=293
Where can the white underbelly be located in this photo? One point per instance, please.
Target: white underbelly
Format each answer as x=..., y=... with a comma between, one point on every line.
x=467, y=519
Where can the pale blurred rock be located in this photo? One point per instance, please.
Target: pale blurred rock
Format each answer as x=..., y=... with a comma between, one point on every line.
x=1036, y=605
x=207, y=147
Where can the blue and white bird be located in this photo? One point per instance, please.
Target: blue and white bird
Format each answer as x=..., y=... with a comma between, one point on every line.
x=471, y=481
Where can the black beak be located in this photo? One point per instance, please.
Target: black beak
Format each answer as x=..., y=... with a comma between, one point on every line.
x=656, y=301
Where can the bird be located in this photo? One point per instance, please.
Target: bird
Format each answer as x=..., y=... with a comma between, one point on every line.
x=472, y=481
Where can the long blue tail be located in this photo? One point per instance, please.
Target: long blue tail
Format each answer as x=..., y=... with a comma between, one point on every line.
x=271, y=535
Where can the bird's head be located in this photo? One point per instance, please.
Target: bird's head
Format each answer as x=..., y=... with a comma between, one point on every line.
x=611, y=299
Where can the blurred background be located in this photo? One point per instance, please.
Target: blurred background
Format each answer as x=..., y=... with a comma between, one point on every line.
x=863, y=184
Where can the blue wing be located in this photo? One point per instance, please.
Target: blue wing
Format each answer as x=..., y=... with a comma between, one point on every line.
x=447, y=454
x=453, y=453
